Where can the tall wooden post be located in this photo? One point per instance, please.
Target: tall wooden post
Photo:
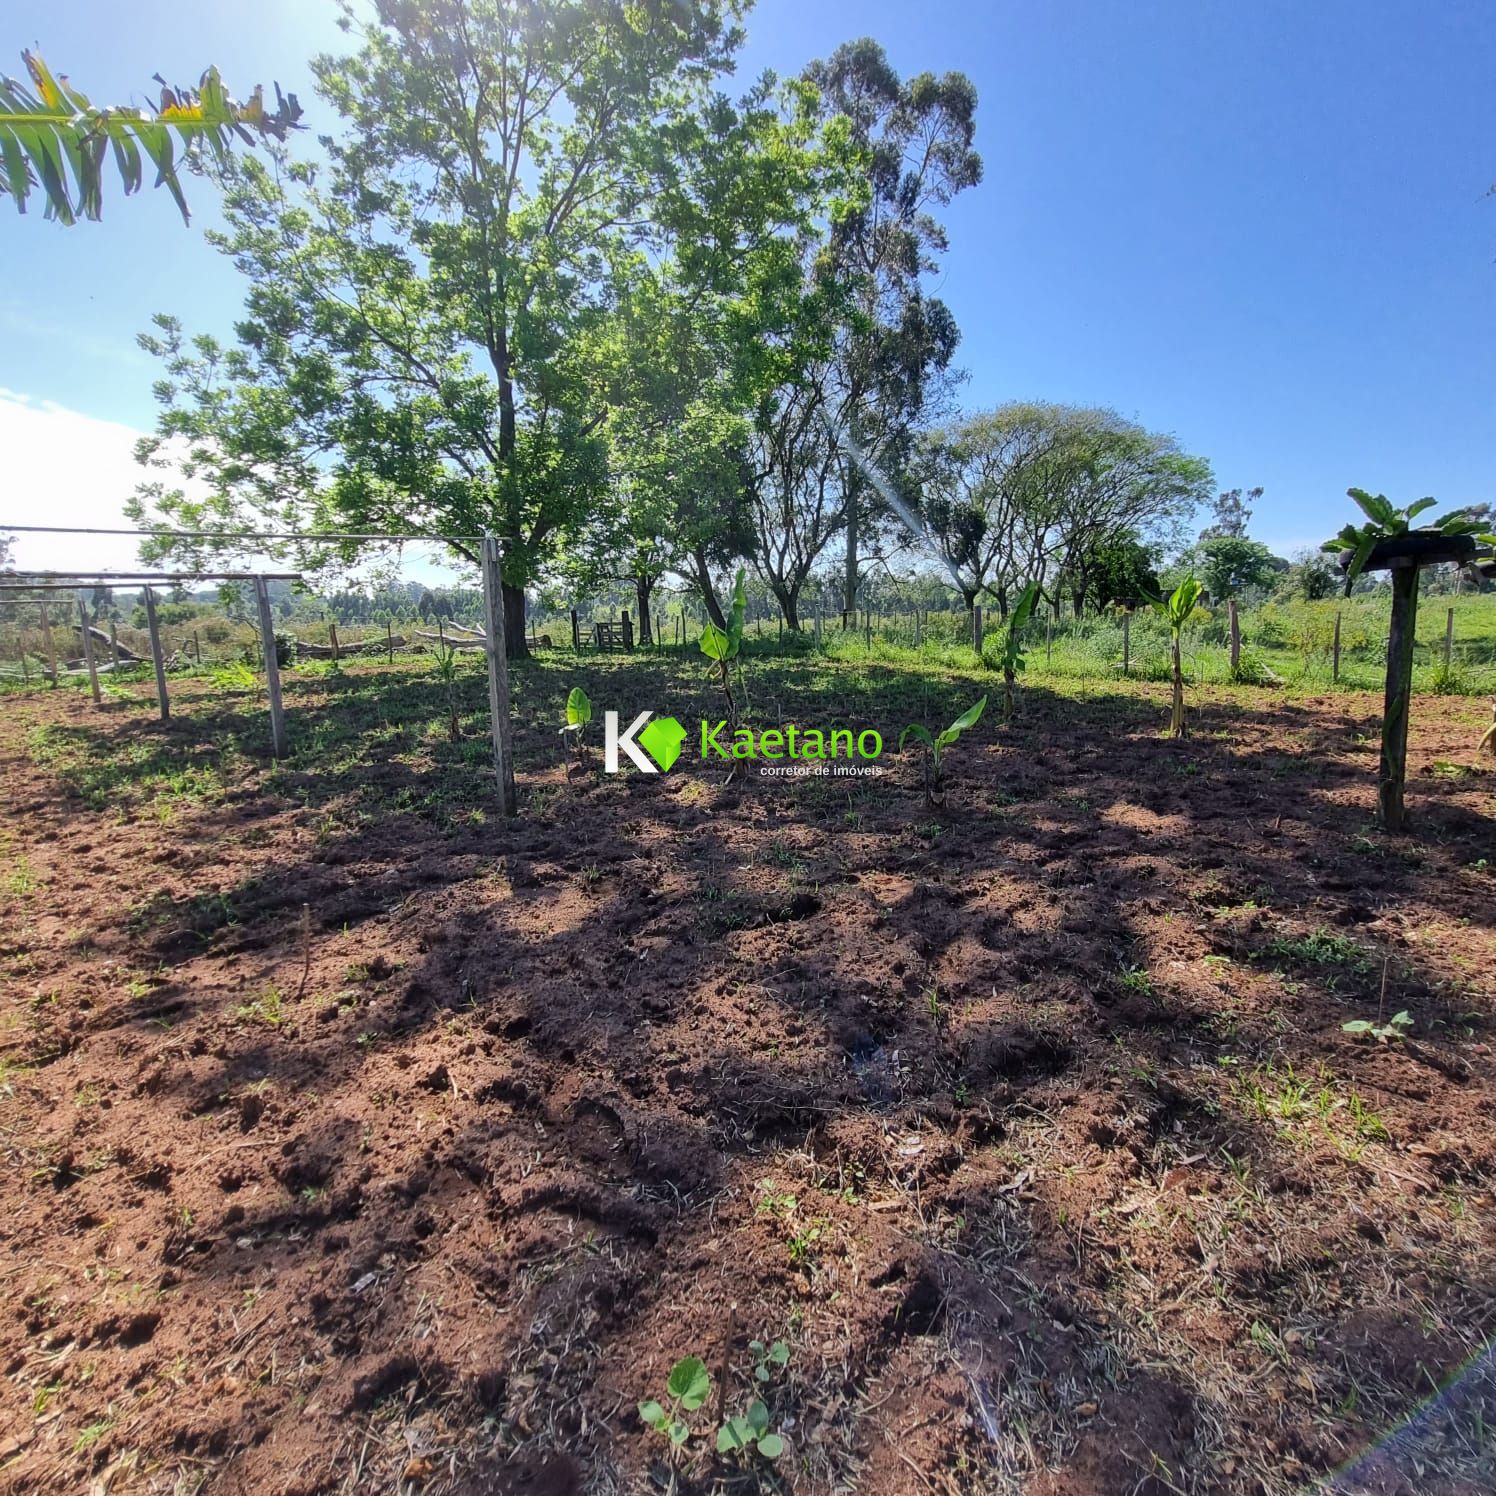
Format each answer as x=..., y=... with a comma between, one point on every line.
x=332, y=637
x=197, y=649
x=88, y=654
x=1448, y=640
x=1049, y=637
x=1335, y=652
x=156, y=657
x=818, y=625
x=389, y=640
x=1396, y=703
x=498, y=672
x=278, y=743
x=114, y=643
x=576, y=632
x=918, y=635
x=1235, y=638
x=51, y=644
x=1126, y=643
x=976, y=627
x=628, y=629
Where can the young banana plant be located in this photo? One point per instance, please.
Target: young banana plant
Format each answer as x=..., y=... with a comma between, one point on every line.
x=1012, y=657
x=722, y=646
x=578, y=715
x=935, y=746
x=445, y=668
x=1178, y=608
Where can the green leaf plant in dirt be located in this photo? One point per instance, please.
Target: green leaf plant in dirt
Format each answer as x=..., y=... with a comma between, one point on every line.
x=687, y=1388
x=1178, y=609
x=578, y=717
x=935, y=746
x=1011, y=655
x=1395, y=1027
x=444, y=667
x=1385, y=521
x=722, y=646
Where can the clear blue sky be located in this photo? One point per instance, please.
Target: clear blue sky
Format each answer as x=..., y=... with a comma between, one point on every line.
x=1262, y=226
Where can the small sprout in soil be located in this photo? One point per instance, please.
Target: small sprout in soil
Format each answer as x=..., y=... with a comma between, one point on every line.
x=748, y=1432
x=578, y=716
x=768, y=1359
x=934, y=748
x=1395, y=1027
x=688, y=1387
x=773, y=1202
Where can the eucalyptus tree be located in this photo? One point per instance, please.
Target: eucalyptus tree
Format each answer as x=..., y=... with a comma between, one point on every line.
x=893, y=349
x=430, y=342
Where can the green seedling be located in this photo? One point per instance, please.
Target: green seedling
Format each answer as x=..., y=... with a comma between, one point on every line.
x=723, y=646
x=1010, y=656
x=1178, y=609
x=578, y=716
x=935, y=748
x=767, y=1359
x=444, y=667
x=750, y=1431
x=1395, y=1027
x=688, y=1387
x=1384, y=521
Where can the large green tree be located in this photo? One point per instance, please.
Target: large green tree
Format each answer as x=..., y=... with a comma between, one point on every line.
x=429, y=342
x=1041, y=492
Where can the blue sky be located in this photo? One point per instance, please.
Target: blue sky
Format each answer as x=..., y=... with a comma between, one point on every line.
x=1261, y=226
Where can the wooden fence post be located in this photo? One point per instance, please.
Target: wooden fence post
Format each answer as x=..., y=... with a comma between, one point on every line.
x=114, y=643
x=1335, y=667
x=1235, y=622
x=197, y=649
x=1126, y=643
x=389, y=639
x=1049, y=636
x=157, y=659
x=278, y=744
x=50, y=643
x=332, y=636
x=976, y=627
x=1395, y=704
x=88, y=654
x=1448, y=640
x=576, y=632
x=498, y=672
x=918, y=635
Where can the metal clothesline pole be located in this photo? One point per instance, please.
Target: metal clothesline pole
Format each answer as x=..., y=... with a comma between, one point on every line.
x=237, y=534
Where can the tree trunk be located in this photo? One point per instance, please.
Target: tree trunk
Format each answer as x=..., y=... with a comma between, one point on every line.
x=708, y=592
x=1394, y=766
x=643, y=587
x=516, y=645
x=849, y=588
x=789, y=605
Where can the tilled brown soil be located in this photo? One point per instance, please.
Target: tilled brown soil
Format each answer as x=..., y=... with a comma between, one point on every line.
x=1029, y=1125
